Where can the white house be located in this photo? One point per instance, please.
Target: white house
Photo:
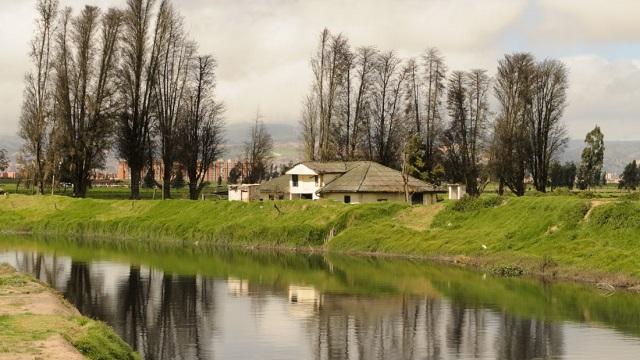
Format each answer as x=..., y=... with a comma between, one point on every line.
x=357, y=182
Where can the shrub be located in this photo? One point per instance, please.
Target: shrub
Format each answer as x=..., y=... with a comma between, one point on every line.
x=469, y=203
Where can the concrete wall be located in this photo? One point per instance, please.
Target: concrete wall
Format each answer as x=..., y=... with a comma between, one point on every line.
x=365, y=198
x=456, y=191
x=244, y=193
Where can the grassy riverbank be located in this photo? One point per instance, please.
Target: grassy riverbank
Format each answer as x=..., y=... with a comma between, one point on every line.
x=562, y=236
x=35, y=322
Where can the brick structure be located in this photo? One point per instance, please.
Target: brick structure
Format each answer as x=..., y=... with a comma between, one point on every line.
x=219, y=169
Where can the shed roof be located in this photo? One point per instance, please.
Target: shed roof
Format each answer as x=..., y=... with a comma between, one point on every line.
x=276, y=185
x=369, y=176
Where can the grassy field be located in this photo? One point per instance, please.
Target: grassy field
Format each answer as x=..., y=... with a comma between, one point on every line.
x=37, y=323
x=565, y=236
x=119, y=191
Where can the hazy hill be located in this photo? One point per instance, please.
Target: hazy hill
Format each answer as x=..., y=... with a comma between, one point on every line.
x=286, y=138
x=617, y=154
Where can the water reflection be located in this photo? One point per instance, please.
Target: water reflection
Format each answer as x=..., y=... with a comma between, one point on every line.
x=257, y=311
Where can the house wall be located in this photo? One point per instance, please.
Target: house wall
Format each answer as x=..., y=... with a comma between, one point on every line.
x=456, y=191
x=306, y=185
x=244, y=193
x=365, y=198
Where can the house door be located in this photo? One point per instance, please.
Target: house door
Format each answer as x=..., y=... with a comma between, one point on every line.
x=417, y=198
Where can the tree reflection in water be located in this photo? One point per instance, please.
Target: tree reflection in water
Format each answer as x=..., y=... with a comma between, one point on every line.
x=166, y=315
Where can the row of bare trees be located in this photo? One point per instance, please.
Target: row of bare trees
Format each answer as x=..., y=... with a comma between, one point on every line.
x=367, y=104
x=128, y=80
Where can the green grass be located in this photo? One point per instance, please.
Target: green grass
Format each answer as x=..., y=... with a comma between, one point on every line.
x=541, y=234
x=119, y=192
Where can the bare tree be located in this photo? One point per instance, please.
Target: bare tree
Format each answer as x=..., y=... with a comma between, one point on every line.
x=140, y=61
x=258, y=151
x=364, y=68
x=434, y=78
x=547, y=134
x=38, y=98
x=329, y=67
x=168, y=91
x=413, y=95
x=511, y=151
x=386, y=126
x=202, y=127
x=85, y=90
x=309, y=125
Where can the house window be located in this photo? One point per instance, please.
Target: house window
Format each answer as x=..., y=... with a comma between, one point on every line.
x=294, y=180
x=316, y=179
x=347, y=199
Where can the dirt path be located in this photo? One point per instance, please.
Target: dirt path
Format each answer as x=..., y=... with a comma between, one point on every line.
x=594, y=204
x=30, y=313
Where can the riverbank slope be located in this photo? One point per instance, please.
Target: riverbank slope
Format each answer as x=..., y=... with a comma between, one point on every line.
x=36, y=322
x=559, y=236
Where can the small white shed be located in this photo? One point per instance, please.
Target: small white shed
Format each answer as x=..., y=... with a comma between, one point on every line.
x=456, y=191
x=244, y=192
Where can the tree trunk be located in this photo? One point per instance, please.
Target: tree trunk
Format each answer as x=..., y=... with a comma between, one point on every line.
x=166, y=181
x=135, y=182
x=193, y=190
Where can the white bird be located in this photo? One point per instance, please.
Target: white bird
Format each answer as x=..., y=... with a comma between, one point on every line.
x=484, y=246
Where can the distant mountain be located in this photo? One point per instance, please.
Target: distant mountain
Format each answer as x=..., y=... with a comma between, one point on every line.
x=237, y=133
x=617, y=154
x=287, y=146
x=285, y=138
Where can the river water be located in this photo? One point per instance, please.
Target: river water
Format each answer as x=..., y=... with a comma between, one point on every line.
x=240, y=305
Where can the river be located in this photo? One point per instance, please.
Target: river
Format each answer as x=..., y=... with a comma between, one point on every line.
x=223, y=304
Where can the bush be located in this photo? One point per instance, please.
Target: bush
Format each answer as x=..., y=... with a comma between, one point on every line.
x=624, y=215
x=469, y=203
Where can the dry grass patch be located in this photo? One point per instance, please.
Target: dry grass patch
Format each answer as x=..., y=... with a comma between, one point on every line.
x=419, y=217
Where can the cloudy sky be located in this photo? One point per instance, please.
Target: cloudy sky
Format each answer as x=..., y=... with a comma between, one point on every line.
x=263, y=48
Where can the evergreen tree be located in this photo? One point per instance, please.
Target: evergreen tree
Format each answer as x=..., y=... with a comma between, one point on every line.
x=630, y=176
x=590, y=171
x=235, y=174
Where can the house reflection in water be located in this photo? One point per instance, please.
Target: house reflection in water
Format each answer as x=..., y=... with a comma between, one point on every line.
x=304, y=301
x=237, y=287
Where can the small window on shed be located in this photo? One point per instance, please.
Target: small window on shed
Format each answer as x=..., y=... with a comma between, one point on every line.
x=347, y=199
x=382, y=200
x=294, y=180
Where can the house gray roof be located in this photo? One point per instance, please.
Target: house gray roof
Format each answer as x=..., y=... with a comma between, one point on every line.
x=278, y=185
x=369, y=176
x=331, y=167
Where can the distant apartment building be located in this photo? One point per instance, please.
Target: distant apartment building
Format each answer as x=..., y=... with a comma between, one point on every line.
x=8, y=175
x=218, y=170
x=612, y=178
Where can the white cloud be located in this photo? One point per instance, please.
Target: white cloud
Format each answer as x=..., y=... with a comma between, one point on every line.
x=606, y=93
x=263, y=47
x=590, y=20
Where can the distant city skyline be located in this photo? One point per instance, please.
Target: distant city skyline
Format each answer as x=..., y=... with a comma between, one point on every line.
x=263, y=48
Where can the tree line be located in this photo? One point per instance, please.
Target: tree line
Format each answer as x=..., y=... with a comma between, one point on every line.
x=125, y=80
x=414, y=114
